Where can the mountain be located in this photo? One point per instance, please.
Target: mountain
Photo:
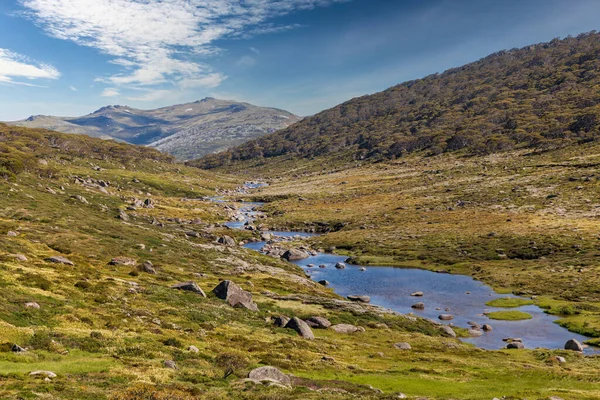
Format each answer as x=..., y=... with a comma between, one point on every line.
x=185, y=130
x=542, y=96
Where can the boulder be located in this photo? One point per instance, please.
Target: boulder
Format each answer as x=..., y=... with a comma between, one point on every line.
x=346, y=328
x=11, y=234
x=269, y=374
x=418, y=306
x=318, y=322
x=322, y=266
x=281, y=321
x=32, y=304
x=515, y=345
x=122, y=261
x=235, y=295
x=446, y=317
x=189, y=286
x=487, y=327
x=17, y=349
x=301, y=327
x=227, y=240
x=474, y=332
x=148, y=268
x=80, y=199
x=574, y=345
x=60, y=260
x=561, y=360
x=170, y=364
x=402, y=346
x=123, y=216
x=417, y=294
x=19, y=257
x=340, y=265
x=45, y=374
x=447, y=331
x=294, y=255
x=193, y=349
x=362, y=299
x=324, y=282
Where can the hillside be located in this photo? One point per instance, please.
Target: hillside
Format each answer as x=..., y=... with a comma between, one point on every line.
x=542, y=96
x=185, y=130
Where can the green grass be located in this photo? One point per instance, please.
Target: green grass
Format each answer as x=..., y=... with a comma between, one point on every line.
x=509, y=315
x=509, y=302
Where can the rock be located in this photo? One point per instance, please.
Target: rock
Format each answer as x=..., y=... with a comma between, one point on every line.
x=148, y=203
x=417, y=294
x=80, y=199
x=294, y=255
x=346, y=328
x=487, y=328
x=193, y=349
x=362, y=299
x=17, y=349
x=11, y=234
x=148, y=267
x=447, y=331
x=170, y=364
x=340, y=265
x=362, y=269
x=269, y=374
x=235, y=295
x=45, y=374
x=310, y=265
x=574, y=345
x=301, y=327
x=227, y=240
x=402, y=346
x=60, y=260
x=474, y=333
x=446, y=317
x=281, y=321
x=324, y=282
x=400, y=396
x=322, y=266
x=32, y=304
x=555, y=398
x=418, y=306
x=122, y=261
x=19, y=257
x=318, y=322
x=50, y=190
x=515, y=345
x=189, y=286
x=123, y=216
x=42, y=162
x=561, y=360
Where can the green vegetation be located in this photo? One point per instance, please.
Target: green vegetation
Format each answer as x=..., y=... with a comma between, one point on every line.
x=509, y=302
x=509, y=315
x=543, y=96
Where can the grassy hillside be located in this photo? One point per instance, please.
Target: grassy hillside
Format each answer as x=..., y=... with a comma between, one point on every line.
x=107, y=330
x=543, y=96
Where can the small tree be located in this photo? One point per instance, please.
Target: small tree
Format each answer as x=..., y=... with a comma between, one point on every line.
x=230, y=363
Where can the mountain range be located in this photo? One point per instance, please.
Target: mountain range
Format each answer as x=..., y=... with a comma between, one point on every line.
x=186, y=130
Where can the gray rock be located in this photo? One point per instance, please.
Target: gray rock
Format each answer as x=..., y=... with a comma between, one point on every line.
x=80, y=199
x=281, y=321
x=294, y=255
x=574, y=345
x=60, y=260
x=32, y=304
x=324, y=282
x=301, y=327
x=515, y=345
x=148, y=267
x=561, y=360
x=235, y=295
x=446, y=317
x=170, y=364
x=322, y=266
x=193, y=349
x=19, y=257
x=417, y=294
x=362, y=299
x=474, y=332
x=340, y=265
x=448, y=331
x=269, y=373
x=11, y=234
x=318, y=322
x=17, y=349
x=122, y=261
x=346, y=328
x=123, y=216
x=45, y=374
x=418, y=306
x=227, y=240
x=487, y=327
x=189, y=286
x=402, y=346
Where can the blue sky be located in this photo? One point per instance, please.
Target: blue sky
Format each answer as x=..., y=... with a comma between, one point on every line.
x=70, y=57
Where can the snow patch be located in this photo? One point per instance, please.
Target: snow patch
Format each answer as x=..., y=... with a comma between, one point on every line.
x=189, y=109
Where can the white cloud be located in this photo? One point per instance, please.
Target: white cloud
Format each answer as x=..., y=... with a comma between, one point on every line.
x=16, y=66
x=246, y=61
x=110, y=92
x=254, y=50
x=160, y=41
x=73, y=88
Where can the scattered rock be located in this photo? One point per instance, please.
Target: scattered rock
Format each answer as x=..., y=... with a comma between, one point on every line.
x=402, y=346
x=271, y=374
x=574, y=345
x=301, y=327
x=235, y=295
x=170, y=364
x=417, y=294
x=45, y=374
x=324, y=282
x=189, y=286
x=318, y=322
x=362, y=299
x=60, y=260
x=474, y=332
x=281, y=321
x=322, y=266
x=448, y=331
x=122, y=261
x=17, y=349
x=227, y=240
x=193, y=349
x=340, y=265
x=32, y=304
x=294, y=255
x=80, y=199
x=123, y=216
x=418, y=306
x=362, y=269
x=515, y=345
x=11, y=234
x=346, y=328
x=446, y=317
x=19, y=257
x=148, y=267
x=561, y=360
x=487, y=327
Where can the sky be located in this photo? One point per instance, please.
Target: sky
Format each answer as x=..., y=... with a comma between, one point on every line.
x=71, y=57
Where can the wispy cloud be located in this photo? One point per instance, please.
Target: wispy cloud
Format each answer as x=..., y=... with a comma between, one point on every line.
x=73, y=88
x=16, y=66
x=110, y=92
x=161, y=41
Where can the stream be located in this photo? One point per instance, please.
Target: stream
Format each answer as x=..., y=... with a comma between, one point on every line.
x=462, y=296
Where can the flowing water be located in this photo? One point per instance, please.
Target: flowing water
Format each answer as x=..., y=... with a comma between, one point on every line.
x=462, y=296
